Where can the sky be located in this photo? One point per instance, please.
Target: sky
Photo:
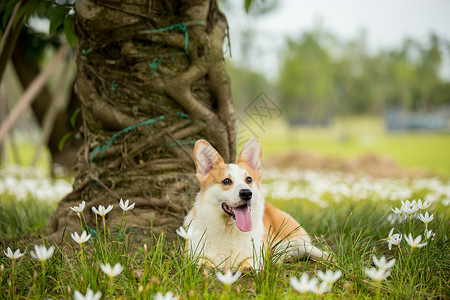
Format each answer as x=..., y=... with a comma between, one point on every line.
x=386, y=24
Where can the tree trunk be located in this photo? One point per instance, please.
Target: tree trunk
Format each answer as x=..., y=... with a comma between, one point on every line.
x=151, y=81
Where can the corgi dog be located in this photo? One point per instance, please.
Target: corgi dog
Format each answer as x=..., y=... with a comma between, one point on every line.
x=231, y=224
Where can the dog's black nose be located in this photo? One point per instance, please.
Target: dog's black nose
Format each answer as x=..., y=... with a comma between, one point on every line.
x=245, y=194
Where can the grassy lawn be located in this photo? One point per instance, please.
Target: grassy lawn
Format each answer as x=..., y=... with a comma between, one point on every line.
x=352, y=226
x=354, y=137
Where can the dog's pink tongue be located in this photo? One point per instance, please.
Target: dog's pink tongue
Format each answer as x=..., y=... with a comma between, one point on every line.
x=243, y=218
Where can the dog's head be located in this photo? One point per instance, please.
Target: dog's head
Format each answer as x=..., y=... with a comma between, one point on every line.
x=234, y=188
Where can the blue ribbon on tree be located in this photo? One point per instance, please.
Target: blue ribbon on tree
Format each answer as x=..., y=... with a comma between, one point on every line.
x=180, y=26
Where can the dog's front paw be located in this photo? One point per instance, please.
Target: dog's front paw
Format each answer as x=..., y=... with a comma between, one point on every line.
x=203, y=261
x=246, y=264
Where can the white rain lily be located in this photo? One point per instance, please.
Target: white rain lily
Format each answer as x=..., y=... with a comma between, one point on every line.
x=167, y=296
x=186, y=234
x=410, y=210
x=112, y=272
x=426, y=218
x=429, y=234
x=409, y=207
x=102, y=211
x=407, y=203
x=382, y=263
x=303, y=285
x=124, y=206
x=80, y=239
x=14, y=255
x=393, y=218
x=377, y=274
x=79, y=208
x=397, y=211
x=42, y=253
x=329, y=276
x=423, y=205
x=414, y=242
x=322, y=288
x=89, y=295
x=393, y=239
x=228, y=278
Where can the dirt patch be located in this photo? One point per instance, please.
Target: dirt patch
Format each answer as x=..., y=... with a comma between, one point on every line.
x=374, y=165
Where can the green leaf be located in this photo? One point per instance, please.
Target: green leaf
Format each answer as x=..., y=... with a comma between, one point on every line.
x=57, y=18
x=8, y=12
x=68, y=30
x=73, y=118
x=247, y=5
x=20, y=13
x=63, y=140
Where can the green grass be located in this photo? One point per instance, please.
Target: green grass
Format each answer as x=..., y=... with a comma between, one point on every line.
x=353, y=230
x=18, y=218
x=353, y=137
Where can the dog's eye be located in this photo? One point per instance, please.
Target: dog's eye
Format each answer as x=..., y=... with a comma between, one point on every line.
x=248, y=180
x=227, y=181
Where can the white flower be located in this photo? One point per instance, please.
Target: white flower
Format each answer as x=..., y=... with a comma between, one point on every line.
x=101, y=210
x=377, y=274
x=79, y=208
x=393, y=218
x=414, y=243
x=409, y=210
x=409, y=207
x=426, y=218
x=80, y=239
x=322, y=288
x=12, y=255
x=393, y=239
x=124, y=206
x=42, y=253
x=329, y=276
x=382, y=263
x=89, y=295
x=167, y=296
x=407, y=203
x=429, y=234
x=112, y=272
x=423, y=205
x=397, y=211
x=228, y=278
x=186, y=234
x=303, y=285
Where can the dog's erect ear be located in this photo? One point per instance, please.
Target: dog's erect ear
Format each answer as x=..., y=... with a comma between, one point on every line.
x=206, y=157
x=251, y=154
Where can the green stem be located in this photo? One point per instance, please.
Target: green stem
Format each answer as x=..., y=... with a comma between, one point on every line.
x=83, y=261
x=226, y=293
x=121, y=220
x=98, y=234
x=111, y=281
x=43, y=276
x=378, y=290
x=13, y=292
x=84, y=219
x=81, y=222
x=104, y=233
x=405, y=269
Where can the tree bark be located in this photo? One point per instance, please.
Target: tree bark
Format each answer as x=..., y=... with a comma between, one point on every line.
x=151, y=81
